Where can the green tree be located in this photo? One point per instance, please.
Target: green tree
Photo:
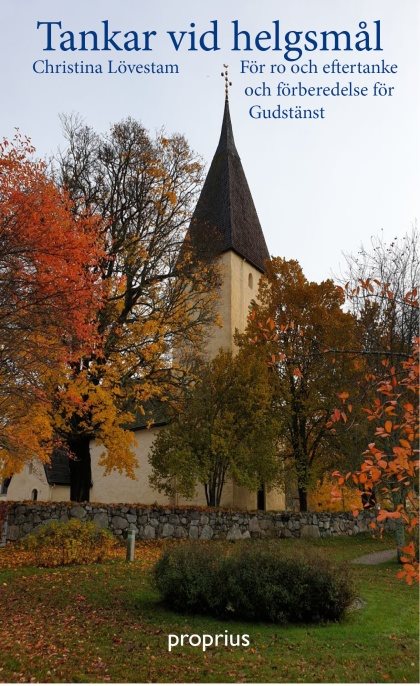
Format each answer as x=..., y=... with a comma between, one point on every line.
x=225, y=429
x=301, y=328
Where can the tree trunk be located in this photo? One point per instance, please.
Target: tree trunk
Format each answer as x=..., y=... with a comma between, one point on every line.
x=399, y=535
x=213, y=494
x=399, y=530
x=211, y=501
x=80, y=470
x=303, y=499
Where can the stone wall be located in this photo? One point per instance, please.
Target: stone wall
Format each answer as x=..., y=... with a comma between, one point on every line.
x=152, y=522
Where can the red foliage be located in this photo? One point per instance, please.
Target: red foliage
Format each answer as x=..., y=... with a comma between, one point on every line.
x=49, y=298
x=47, y=254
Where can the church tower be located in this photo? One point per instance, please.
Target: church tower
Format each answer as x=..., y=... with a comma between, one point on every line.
x=225, y=226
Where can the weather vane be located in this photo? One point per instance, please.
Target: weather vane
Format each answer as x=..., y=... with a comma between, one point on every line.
x=228, y=83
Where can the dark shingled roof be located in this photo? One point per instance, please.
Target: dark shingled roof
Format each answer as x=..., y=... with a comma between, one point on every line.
x=225, y=217
x=156, y=413
x=58, y=471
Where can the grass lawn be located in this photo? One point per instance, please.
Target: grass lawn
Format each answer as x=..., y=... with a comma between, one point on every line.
x=104, y=622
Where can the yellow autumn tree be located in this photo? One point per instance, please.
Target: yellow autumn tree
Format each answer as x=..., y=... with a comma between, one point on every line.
x=322, y=499
x=144, y=189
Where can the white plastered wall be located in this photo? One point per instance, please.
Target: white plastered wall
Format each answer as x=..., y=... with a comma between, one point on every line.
x=118, y=488
x=239, y=287
x=32, y=477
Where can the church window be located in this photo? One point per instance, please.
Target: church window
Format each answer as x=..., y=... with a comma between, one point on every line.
x=34, y=495
x=250, y=280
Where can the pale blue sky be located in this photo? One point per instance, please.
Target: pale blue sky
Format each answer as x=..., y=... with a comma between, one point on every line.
x=320, y=187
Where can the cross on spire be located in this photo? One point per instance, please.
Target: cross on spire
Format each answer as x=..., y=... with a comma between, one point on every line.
x=228, y=83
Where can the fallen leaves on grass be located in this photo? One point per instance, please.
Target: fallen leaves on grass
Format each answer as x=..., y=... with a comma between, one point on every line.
x=103, y=622
x=11, y=556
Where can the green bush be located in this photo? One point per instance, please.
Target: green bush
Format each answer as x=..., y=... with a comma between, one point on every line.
x=263, y=585
x=254, y=582
x=72, y=542
x=188, y=578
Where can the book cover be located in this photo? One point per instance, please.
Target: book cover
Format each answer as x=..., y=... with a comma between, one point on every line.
x=139, y=140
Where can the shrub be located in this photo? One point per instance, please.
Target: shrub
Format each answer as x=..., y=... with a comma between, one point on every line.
x=72, y=542
x=188, y=578
x=262, y=584
x=254, y=582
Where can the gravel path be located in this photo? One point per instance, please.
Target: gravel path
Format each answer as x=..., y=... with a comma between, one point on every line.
x=376, y=558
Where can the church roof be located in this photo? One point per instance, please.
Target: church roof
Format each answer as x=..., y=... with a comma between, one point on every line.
x=155, y=413
x=225, y=217
x=58, y=471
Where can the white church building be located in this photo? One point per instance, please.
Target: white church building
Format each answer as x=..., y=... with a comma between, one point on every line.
x=227, y=206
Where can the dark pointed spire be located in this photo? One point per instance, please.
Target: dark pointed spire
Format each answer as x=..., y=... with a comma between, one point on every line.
x=226, y=141
x=225, y=217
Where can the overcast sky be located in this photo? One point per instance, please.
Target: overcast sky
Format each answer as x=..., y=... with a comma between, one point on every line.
x=321, y=187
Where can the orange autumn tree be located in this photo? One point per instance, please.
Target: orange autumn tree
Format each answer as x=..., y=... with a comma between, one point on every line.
x=321, y=499
x=144, y=188
x=381, y=285
x=48, y=296
x=294, y=324
x=391, y=464
x=390, y=469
